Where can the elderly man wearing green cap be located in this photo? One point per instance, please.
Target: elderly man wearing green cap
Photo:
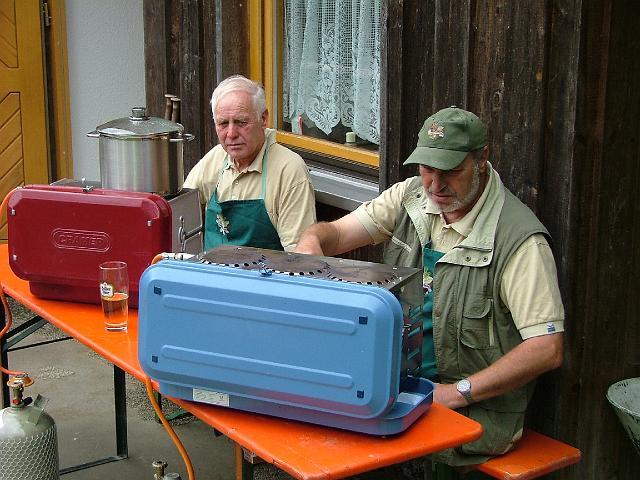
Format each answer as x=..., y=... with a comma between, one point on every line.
x=492, y=310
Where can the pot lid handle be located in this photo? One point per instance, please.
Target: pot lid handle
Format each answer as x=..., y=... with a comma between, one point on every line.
x=182, y=137
x=138, y=114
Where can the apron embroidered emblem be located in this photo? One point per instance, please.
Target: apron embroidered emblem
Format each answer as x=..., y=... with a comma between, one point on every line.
x=223, y=224
x=427, y=281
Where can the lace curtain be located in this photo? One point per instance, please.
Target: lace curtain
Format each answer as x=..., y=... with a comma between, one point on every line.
x=332, y=65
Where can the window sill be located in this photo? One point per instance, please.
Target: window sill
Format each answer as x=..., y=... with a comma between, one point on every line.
x=341, y=191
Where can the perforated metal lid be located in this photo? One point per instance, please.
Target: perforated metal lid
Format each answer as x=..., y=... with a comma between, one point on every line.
x=296, y=264
x=139, y=125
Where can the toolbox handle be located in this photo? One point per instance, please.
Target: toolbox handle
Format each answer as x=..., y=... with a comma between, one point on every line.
x=94, y=134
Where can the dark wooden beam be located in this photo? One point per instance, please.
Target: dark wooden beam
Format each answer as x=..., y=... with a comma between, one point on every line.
x=155, y=54
x=190, y=77
x=391, y=121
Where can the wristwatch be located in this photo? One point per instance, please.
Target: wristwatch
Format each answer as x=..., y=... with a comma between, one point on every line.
x=464, y=387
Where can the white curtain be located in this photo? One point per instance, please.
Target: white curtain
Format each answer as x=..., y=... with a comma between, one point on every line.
x=332, y=65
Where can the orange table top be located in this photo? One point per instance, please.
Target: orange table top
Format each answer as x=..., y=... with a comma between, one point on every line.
x=303, y=450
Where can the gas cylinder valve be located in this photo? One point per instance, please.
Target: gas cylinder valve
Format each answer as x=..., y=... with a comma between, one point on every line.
x=158, y=469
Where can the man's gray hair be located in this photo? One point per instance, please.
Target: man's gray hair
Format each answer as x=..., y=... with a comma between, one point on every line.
x=239, y=83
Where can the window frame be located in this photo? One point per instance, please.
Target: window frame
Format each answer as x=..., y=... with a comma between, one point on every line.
x=266, y=41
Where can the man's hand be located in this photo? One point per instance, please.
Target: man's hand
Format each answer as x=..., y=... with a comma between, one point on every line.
x=448, y=396
x=309, y=243
x=333, y=238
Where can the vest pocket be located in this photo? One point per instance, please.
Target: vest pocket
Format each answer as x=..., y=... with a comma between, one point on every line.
x=477, y=326
x=500, y=430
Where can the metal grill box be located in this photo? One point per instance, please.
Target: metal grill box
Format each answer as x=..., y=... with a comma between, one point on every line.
x=59, y=235
x=284, y=334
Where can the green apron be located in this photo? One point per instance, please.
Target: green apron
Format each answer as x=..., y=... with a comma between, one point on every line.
x=429, y=259
x=240, y=222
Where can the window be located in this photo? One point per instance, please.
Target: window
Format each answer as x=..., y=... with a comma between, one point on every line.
x=319, y=61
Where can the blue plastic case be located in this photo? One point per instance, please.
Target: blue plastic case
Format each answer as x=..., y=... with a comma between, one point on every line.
x=302, y=348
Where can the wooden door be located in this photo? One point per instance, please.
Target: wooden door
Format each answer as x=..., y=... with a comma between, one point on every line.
x=23, y=126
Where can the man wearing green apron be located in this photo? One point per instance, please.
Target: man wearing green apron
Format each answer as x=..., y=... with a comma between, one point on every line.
x=255, y=192
x=492, y=310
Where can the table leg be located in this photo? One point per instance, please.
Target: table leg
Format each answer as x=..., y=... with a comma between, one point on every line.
x=244, y=468
x=120, y=402
x=4, y=358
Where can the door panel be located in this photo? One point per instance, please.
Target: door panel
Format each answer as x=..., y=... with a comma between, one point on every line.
x=23, y=127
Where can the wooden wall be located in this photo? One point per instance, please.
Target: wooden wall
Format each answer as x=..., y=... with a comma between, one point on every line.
x=557, y=84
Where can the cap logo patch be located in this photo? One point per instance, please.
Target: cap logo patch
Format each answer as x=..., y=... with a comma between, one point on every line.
x=435, y=131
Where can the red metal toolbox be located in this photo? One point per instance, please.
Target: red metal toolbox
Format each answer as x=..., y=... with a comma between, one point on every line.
x=59, y=235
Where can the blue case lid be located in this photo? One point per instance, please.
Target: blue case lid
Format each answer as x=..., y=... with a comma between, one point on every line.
x=299, y=341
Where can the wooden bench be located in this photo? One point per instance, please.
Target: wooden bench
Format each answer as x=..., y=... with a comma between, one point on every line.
x=534, y=455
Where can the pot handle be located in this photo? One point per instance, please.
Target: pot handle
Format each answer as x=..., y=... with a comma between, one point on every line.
x=94, y=134
x=184, y=137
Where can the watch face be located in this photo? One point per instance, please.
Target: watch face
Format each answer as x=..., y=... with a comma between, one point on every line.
x=464, y=385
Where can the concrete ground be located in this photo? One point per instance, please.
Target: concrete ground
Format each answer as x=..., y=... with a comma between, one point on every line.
x=79, y=386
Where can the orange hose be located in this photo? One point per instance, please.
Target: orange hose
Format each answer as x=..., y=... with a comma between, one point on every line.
x=157, y=258
x=172, y=434
x=163, y=419
x=8, y=318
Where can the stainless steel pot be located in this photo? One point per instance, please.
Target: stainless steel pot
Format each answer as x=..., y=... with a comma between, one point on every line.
x=140, y=153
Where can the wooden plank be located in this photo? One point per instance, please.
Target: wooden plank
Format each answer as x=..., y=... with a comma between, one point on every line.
x=614, y=316
x=61, y=144
x=406, y=85
x=418, y=102
x=451, y=53
x=191, y=95
x=390, y=93
x=10, y=130
x=582, y=241
x=488, y=55
x=11, y=155
x=523, y=114
x=232, y=29
x=155, y=51
x=9, y=107
x=209, y=77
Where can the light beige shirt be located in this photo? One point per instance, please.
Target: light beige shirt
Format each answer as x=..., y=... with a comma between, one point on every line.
x=529, y=286
x=289, y=197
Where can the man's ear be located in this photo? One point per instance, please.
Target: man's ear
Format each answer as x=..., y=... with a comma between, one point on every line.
x=264, y=118
x=484, y=158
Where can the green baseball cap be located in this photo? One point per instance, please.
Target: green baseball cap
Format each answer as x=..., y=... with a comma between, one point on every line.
x=447, y=137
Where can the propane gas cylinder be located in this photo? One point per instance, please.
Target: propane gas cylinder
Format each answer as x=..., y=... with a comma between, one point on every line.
x=28, y=439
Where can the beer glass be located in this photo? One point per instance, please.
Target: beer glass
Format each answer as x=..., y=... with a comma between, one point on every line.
x=114, y=292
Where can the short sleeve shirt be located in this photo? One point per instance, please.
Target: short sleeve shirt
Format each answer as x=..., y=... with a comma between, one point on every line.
x=289, y=197
x=529, y=286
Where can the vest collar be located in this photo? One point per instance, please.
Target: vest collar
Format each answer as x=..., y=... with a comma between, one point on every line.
x=477, y=249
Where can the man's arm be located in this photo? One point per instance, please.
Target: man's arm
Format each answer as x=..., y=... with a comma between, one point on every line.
x=525, y=362
x=297, y=211
x=334, y=238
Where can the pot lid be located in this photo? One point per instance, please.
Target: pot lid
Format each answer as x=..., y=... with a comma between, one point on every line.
x=138, y=125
